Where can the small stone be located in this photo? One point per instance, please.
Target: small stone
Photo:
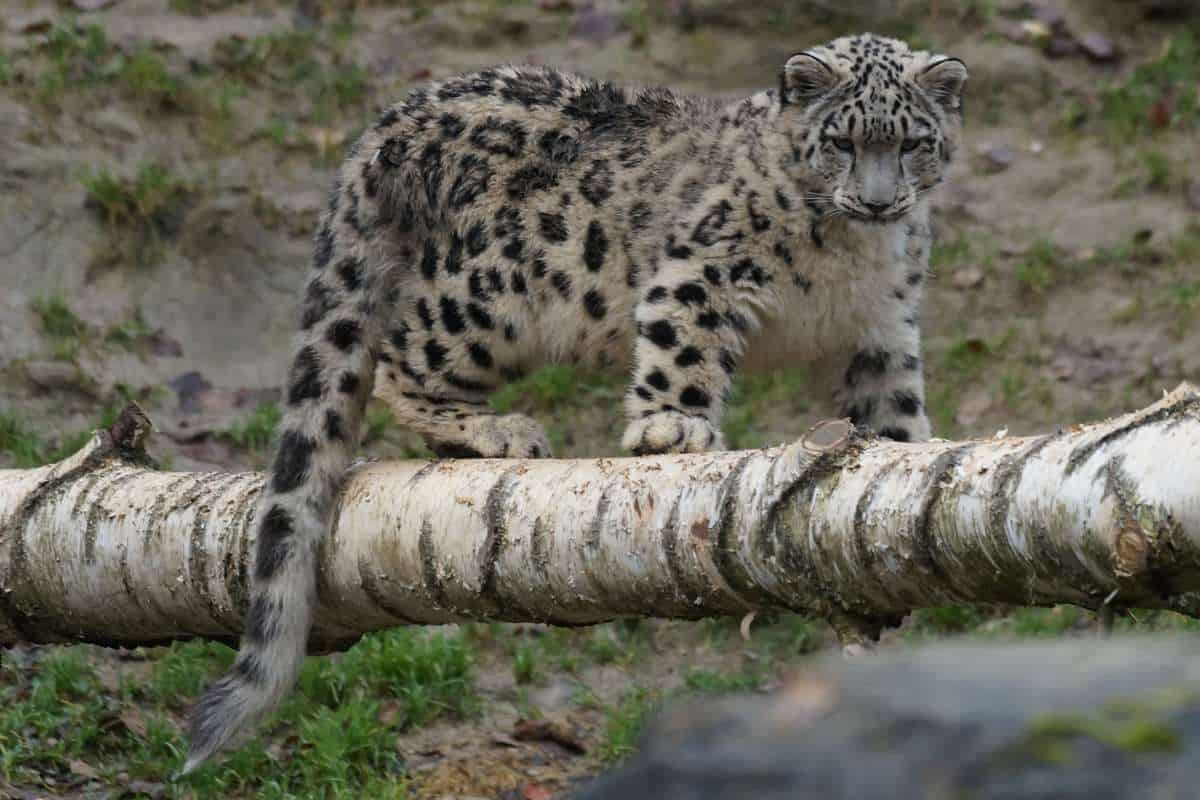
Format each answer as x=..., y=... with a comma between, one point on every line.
x=973, y=407
x=1030, y=32
x=1051, y=16
x=1062, y=368
x=999, y=157
x=115, y=121
x=967, y=278
x=34, y=22
x=1036, y=146
x=164, y=346
x=59, y=376
x=1061, y=46
x=1098, y=47
x=594, y=25
x=1191, y=191
x=190, y=387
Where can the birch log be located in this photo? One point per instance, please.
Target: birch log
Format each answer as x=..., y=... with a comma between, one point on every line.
x=102, y=547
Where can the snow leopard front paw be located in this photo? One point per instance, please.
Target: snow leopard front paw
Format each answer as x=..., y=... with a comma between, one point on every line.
x=507, y=436
x=671, y=432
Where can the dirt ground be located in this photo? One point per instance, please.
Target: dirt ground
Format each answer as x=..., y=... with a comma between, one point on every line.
x=1067, y=271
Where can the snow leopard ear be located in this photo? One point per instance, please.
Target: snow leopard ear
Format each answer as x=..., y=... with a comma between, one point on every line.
x=944, y=81
x=805, y=77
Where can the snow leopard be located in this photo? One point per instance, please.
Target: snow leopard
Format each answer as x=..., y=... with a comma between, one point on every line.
x=495, y=222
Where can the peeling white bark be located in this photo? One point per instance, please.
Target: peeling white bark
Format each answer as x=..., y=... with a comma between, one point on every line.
x=101, y=548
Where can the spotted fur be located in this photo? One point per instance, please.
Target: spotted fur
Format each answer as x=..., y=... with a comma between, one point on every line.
x=494, y=222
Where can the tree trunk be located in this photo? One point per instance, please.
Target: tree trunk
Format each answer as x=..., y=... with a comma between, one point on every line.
x=101, y=547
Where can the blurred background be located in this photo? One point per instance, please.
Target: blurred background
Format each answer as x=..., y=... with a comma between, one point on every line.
x=162, y=167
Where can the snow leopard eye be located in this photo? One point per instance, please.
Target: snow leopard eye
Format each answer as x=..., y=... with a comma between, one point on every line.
x=843, y=144
x=908, y=145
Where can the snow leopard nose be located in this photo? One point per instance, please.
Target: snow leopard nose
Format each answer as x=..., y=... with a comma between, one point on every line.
x=877, y=208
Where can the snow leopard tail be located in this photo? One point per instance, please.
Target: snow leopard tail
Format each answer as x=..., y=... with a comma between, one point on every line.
x=329, y=382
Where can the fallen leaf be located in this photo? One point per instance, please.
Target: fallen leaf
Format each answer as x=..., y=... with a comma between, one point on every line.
x=83, y=769
x=744, y=628
x=1159, y=114
x=531, y=791
x=544, y=730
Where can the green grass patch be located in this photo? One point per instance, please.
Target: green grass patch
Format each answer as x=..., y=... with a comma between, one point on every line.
x=1161, y=93
x=284, y=57
x=23, y=445
x=942, y=620
x=555, y=387
x=1137, y=731
x=145, y=200
x=338, y=89
x=625, y=720
x=751, y=397
x=1039, y=268
x=183, y=671
x=428, y=674
x=705, y=681
x=77, y=56
x=51, y=716
x=28, y=448
x=60, y=324
x=950, y=253
x=146, y=77
x=257, y=431
x=139, y=211
x=128, y=333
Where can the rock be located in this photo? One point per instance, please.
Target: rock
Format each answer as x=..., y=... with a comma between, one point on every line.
x=164, y=346
x=14, y=117
x=977, y=403
x=594, y=25
x=115, y=121
x=967, y=278
x=1066, y=719
x=999, y=157
x=1051, y=16
x=190, y=388
x=59, y=376
x=1191, y=191
x=91, y=5
x=33, y=22
x=1062, y=368
x=1098, y=47
x=1061, y=46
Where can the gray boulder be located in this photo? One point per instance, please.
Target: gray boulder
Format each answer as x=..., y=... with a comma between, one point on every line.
x=1060, y=720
